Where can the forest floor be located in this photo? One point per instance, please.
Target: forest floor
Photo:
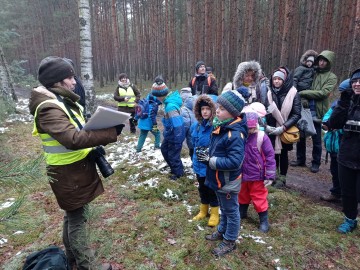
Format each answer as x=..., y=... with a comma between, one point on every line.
x=143, y=221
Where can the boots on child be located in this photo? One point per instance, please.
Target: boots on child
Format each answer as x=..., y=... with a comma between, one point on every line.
x=243, y=208
x=204, y=209
x=264, y=222
x=214, y=217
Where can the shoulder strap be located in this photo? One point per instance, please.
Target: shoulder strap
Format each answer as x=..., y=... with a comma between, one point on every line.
x=70, y=112
x=260, y=139
x=193, y=81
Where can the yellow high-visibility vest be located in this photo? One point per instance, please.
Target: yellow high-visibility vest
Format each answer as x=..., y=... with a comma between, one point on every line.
x=128, y=92
x=55, y=153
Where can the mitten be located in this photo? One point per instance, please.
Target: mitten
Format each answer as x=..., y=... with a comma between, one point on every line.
x=346, y=95
x=202, y=155
x=119, y=129
x=267, y=182
x=155, y=128
x=277, y=131
x=269, y=129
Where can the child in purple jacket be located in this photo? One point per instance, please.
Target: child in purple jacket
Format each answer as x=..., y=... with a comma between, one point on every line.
x=259, y=170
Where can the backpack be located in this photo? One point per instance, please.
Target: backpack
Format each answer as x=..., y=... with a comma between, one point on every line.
x=51, y=258
x=142, y=109
x=332, y=140
x=194, y=79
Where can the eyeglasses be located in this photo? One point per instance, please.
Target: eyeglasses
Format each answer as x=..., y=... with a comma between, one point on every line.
x=355, y=81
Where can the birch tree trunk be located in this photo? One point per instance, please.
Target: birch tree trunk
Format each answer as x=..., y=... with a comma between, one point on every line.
x=6, y=84
x=86, y=54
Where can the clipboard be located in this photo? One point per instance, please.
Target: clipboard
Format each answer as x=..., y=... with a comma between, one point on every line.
x=106, y=118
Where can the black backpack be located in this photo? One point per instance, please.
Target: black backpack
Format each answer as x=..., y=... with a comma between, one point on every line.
x=51, y=258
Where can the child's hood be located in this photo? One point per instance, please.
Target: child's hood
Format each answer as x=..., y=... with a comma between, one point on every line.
x=174, y=99
x=306, y=55
x=197, y=110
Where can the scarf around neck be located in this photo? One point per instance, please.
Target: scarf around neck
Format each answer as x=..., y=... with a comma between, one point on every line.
x=124, y=85
x=218, y=123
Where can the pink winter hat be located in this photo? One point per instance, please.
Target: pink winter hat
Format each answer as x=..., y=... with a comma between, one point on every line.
x=252, y=119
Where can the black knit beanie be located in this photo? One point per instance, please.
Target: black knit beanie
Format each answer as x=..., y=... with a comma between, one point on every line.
x=198, y=64
x=54, y=69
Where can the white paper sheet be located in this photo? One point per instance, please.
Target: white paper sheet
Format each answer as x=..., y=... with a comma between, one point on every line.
x=105, y=118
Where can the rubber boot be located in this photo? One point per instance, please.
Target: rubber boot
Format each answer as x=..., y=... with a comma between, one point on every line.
x=264, y=222
x=204, y=209
x=243, y=208
x=214, y=216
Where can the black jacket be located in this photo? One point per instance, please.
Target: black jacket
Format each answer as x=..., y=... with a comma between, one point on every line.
x=348, y=108
x=303, y=77
x=201, y=85
x=279, y=97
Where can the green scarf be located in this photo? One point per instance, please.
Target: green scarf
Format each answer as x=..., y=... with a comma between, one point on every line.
x=217, y=122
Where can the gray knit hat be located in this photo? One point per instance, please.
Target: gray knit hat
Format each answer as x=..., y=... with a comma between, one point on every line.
x=232, y=101
x=54, y=69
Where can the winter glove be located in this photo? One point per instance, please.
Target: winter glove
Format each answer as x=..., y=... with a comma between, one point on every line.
x=244, y=91
x=277, y=131
x=202, y=154
x=305, y=103
x=346, y=95
x=269, y=129
x=119, y=129
x=268, y=182
x=155, y=128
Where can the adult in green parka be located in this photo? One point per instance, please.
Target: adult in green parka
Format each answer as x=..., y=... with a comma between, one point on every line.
x=317, y=99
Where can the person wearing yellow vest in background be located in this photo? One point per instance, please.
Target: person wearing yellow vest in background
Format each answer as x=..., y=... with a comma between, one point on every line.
x=69, y=154
x=127, y=95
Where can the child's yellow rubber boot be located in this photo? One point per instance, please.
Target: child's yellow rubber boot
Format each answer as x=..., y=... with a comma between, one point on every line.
x=214, y=217
x=204, y=209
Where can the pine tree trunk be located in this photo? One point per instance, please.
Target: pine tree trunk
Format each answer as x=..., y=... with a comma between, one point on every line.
x=6, y=83
x=355, y=52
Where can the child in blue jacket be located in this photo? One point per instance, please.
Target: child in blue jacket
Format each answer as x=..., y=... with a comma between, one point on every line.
x=149, y=124
x=224, y=160
x=204, y=110
x=174, y=131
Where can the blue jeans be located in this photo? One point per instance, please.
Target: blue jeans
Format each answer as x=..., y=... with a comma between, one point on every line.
x=230, y=216
x=142, y=138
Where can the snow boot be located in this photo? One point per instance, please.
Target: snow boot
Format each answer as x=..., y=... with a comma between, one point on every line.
x=225, y=247
x=264, y=222
x=348, y=226
x=214, y=216
x=214, y=236
x=243, y=208
x=204, y=209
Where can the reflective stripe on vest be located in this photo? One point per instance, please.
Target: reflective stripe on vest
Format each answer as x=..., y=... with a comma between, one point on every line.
x=129, y=92
x=54, y=152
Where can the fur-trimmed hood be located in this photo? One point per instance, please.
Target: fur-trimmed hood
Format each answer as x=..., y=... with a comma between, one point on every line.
x=306, y=55
x=197, y=110
x=242, y=69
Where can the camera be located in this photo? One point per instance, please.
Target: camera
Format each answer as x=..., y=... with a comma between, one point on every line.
x=104, y=166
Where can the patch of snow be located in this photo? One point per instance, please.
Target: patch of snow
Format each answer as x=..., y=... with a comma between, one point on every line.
x=3, y=241
x=18, y=232
x=105, y=97
x=3, y=129
x=9, y=202
x=200, y=228
x=169, y=194
x=17, y=254
x=257, y=239
x=188, y=207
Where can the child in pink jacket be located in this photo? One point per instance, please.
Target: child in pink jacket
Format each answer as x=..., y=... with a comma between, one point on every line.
x=259, y=170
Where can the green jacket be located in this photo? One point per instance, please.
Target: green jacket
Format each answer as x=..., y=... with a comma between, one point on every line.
x=324, y=82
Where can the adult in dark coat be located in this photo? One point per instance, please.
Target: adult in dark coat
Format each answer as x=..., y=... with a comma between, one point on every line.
x=286, y=98
x=346, y=115
x=203, y=83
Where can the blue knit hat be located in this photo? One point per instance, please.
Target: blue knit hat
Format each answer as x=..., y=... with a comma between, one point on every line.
x=344, y=85
x=232, y=101
x=159, y=88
